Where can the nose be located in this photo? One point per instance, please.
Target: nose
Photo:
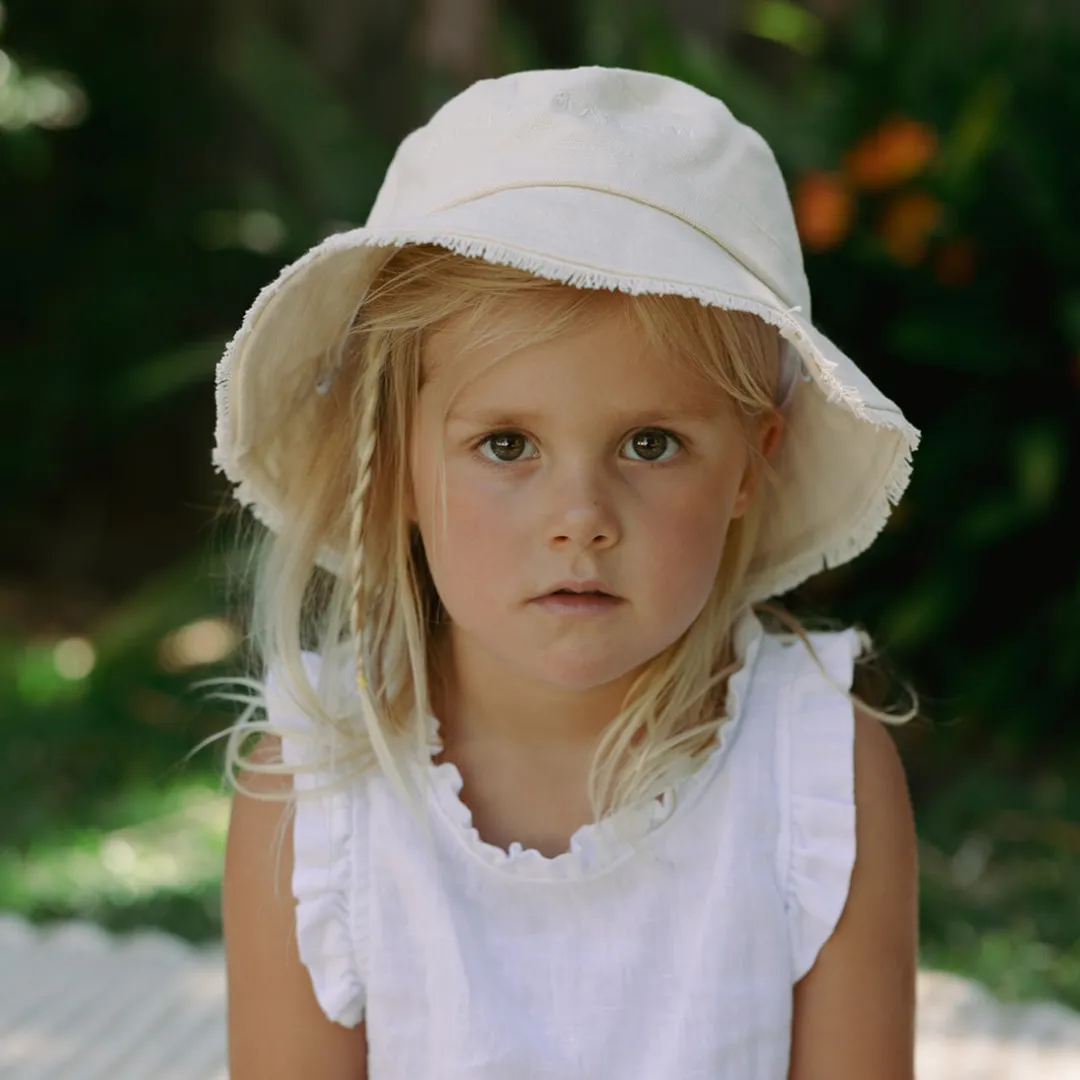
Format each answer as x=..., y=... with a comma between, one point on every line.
x=583, y=515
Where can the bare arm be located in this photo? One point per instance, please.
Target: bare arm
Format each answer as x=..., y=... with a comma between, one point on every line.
x=855, y=1008
x=277, y=1031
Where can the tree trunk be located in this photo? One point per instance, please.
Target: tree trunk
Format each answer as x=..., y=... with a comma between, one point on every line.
x=455, y=38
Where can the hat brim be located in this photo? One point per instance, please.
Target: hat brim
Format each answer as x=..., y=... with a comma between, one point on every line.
x=846, y=454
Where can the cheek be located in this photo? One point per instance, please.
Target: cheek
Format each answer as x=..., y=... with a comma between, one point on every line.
x=686, y=541
x=474, y=542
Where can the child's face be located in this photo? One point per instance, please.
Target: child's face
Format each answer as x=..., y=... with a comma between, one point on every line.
x=567, y=490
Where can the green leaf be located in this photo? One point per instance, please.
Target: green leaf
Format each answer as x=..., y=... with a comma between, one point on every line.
x=919, y=613
x=974, y=131
x=785, y=23
x=1040, y=462
x=339, y=161
x=991, y=520
x=968, y=342
x=163, y=376
x=38, y=682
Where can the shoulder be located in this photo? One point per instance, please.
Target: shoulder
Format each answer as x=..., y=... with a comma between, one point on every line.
x=847, y=827
x=281, y=1032
x=882, y=803
x=854, y=1009
x=883, y=896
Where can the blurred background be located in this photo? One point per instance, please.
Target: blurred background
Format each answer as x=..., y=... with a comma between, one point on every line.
x=159, y=162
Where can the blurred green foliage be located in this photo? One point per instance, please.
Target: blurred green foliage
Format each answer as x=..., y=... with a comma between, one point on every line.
x=159, y=162
x=152, y=858
x=1000, y=859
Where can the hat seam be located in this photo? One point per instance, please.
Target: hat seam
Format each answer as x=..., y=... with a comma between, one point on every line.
x=526, y=185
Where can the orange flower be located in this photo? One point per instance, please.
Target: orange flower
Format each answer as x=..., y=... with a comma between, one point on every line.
x=896, y=151
x=823, y=210
x=954, y=264
x=907, y=224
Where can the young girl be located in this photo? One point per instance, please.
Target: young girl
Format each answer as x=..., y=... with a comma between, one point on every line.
x=537, y=793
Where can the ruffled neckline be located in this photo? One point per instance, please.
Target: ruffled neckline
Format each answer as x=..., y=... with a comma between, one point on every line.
x=595, y=847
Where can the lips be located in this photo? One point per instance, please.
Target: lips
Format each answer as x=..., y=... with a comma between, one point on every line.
x=571, y=604
x=580, y=588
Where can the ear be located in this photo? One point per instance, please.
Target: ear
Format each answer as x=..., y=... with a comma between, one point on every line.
x=763, y=443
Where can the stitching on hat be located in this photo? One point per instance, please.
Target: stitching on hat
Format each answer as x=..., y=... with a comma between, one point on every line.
x=525, y=184
x=564, y=102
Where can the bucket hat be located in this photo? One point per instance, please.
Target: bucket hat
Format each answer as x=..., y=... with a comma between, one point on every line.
x=600, y=178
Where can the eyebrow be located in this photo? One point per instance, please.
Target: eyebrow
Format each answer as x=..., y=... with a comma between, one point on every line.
x=509, y=418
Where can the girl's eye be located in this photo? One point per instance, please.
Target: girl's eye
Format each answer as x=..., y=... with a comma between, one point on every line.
x=654, y=444
x=505, y=446
x=649, y=444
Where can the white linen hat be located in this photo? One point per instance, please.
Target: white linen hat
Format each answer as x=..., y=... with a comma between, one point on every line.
x=601, y=178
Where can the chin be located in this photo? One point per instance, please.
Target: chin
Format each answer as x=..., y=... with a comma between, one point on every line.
x=578, y=673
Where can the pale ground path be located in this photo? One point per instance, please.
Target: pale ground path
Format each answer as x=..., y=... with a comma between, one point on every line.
x=77, y=1004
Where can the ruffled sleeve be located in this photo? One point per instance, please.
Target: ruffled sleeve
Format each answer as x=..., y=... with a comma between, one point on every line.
x=816, y=742
x=327, y=858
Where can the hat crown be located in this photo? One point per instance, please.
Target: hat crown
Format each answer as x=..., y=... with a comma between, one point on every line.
x=634, y=134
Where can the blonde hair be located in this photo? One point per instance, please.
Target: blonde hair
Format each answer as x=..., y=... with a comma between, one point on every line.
x=379, y=616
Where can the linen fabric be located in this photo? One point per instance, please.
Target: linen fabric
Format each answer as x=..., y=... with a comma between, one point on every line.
x=664, y=943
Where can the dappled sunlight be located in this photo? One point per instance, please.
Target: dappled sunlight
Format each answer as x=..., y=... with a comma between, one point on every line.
x=179, y=850
x=44, y=99
x=74, y=658
x=207, y=641
x=258, y=230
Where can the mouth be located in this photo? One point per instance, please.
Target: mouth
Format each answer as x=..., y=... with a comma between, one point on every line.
x=584, y=598
x=580, y=588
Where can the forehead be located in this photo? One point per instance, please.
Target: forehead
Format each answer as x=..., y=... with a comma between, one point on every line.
x=603, y=352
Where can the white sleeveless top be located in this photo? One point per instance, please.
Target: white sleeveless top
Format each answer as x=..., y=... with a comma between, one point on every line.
x=672, y=957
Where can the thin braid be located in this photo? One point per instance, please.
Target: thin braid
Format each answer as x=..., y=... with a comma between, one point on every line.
x=369, y=397
x=375, y=355
x=368, y=394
